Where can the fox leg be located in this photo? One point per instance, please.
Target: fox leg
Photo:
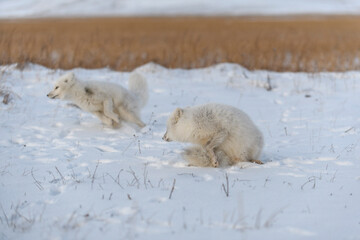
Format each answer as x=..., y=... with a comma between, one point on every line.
x=130, y=116
x=108, y=110
x=216, y=141
x=106, y=120
x=256, y=161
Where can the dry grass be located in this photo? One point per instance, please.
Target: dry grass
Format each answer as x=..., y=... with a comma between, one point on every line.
x=281, y=44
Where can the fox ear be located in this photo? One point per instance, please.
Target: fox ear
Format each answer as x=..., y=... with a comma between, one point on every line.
x=70, y=77
x=178, y=113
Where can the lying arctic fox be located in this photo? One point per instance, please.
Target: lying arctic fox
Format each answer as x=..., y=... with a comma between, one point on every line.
x=223, y=135
x=110, y=102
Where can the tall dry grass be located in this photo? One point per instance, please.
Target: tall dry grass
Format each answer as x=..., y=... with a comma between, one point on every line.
x=279, y=44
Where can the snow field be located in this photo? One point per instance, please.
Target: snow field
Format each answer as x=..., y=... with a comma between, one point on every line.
x=96, y=8
x=63, y=175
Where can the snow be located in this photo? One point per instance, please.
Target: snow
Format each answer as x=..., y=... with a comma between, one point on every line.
x=68, y=8
x=63, y=175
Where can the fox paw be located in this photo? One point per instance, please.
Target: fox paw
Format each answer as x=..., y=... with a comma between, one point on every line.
x=215, y=163
x=115, y=125
x=256, y=161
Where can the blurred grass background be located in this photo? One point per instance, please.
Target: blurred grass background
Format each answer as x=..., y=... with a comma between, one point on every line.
x=300, y=43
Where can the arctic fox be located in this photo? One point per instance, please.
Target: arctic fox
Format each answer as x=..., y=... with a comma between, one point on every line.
x=224, y=135
x=110, y=102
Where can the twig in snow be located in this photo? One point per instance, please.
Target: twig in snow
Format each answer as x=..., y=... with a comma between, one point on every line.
x=268, y=87
x=89, y=172
x=127, y=147
x=266, y=181
x=269, y=222
x=145, y=175
x=73, y=175
x=310, y=179
x=333, y=177
x=172, y=189
x=349, y=129
x=139, y=146
x=160, y=181
x=151, y=116
x=93, y=176
x=6, y=218
x=258, y=219
x=151, y=185
x=135, y=179
x=54, y=178
x=245, y=75
x=6, y=99
x=118, y=176
x=117, y=180
x=67, y=225
x=22, y=216
x=62, y=177
x=3, y=170
x=226, y=189
x=37, y=183
x=190, y=174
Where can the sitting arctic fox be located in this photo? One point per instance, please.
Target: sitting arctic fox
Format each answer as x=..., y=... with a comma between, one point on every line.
x=224, y=135
x=110, y=102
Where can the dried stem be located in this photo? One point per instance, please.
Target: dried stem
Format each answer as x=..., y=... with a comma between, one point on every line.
x=226, y=189
x=62, y=177
x=172, y=189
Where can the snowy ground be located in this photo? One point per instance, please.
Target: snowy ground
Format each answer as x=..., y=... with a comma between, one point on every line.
x=66, y=8
x=65, y=176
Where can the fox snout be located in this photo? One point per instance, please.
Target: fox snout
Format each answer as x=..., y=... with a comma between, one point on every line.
x=51, y=95
x=166, y=138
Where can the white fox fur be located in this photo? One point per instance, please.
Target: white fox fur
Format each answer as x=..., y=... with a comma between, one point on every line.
x=224, y=135
x=110, y=102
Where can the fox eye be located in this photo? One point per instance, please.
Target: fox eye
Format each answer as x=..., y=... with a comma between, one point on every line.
x=56, y=87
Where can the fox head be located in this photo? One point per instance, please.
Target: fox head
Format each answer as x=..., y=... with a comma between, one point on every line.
x=61, y=86
x=174, y=126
